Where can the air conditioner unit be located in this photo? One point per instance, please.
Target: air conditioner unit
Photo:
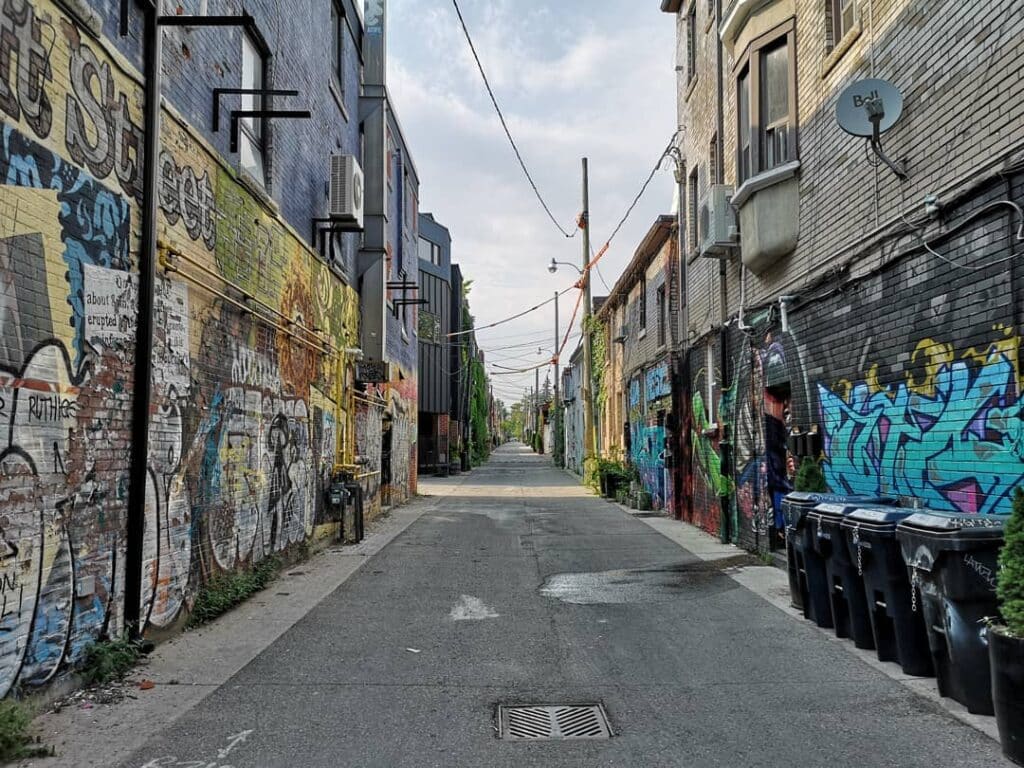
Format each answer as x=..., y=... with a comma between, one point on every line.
x=716, y=222
x=346, y=195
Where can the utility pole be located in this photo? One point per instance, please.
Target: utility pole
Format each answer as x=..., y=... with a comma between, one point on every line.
x=536, y=402
x=557, y=403
x=588, y=362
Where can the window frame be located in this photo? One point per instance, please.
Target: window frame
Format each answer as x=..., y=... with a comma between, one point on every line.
x=339, y=30
x=836, y=27
x=691, y=43
x=660, y=300
x=693, y=193
x=750, y=65
x=643, y=302
x=253, y=131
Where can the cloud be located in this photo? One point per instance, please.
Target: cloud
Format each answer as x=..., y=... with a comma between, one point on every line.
x=574, y=78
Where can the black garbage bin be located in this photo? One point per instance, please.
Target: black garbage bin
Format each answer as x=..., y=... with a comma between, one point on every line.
x=845, y=588
x=951, y=559
x=805, y=568
x=897, y=629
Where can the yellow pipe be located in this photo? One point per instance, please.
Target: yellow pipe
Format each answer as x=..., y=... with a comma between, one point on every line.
x=203, y=268
x=248, y=310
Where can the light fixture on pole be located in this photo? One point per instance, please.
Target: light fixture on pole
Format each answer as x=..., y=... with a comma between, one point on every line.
x=553, y=266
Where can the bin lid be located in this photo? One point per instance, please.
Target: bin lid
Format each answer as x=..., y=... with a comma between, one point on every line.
x=959, y=526
x=880, y=515
x=833, y=510
x=813, y=498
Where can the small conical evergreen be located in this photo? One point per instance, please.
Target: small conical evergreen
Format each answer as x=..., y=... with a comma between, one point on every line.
x=1011, y=569
x=809, y=477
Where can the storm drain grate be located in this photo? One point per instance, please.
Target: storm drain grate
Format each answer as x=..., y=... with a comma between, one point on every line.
x=578, y=721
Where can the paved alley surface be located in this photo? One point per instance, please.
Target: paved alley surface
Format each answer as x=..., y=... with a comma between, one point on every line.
x=520, y=587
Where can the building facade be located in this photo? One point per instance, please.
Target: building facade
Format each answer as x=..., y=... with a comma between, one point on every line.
x=862, y=315
x=227, y=250
x=435, y=370
x=636, y=321
x=572, y=414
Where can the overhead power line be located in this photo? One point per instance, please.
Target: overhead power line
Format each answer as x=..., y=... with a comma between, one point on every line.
x=504, y=125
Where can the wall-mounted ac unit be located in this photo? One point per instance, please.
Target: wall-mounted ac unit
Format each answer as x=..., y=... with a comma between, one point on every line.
x=716, y=222
x=346, y=196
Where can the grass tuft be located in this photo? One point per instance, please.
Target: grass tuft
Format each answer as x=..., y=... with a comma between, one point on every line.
x=108, y=660
x=15, y=741
x=223, y=592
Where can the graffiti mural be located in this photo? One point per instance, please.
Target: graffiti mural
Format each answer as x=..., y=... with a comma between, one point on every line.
x=245, y=425
x=649, y=402
x=952, y=438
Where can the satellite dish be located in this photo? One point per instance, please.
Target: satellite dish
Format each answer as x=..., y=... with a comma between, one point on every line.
x=860, y=104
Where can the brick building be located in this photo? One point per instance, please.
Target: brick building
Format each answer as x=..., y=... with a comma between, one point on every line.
x=256, y=305
x=435, y=369
x=866, y=320
x=636, y=345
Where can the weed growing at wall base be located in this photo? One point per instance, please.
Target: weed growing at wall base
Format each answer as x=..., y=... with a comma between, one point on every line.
x=15, y=741
x=222, y=593
x=108, y=660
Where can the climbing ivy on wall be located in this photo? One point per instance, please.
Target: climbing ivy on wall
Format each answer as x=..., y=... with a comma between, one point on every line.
x=599, y=355
x=478, y=412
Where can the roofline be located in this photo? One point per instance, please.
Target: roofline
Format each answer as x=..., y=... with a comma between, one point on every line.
x=671, y=6
x=651, y=243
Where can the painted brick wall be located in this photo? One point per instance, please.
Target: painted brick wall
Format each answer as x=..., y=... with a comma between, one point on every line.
x=906, y=363
x=246, y=413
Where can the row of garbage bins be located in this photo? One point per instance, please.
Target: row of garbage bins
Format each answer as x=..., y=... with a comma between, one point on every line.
x=915, y=585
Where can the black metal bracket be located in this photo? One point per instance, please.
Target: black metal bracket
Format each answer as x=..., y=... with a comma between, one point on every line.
x=237, y=114
x=244, y=92
x=187, y=20
x=396, y=303
x=330, y=227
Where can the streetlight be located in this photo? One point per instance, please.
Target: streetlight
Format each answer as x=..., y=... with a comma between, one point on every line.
x=553, y=266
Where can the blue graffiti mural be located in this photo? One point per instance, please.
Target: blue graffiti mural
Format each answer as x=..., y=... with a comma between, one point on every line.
x=94, y=221
x=956, y=444
x=647, y=435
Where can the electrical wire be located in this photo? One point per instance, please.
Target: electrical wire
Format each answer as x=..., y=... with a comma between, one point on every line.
x=516, y=316
x=504, y=125
x=956, y=228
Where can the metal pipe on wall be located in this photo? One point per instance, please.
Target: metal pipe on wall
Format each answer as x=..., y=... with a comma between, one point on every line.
x=143, y=375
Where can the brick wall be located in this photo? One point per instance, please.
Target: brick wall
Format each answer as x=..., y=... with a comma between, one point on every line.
x=906, y=364
x=246, y=417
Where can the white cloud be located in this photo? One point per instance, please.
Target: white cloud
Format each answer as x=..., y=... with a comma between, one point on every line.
x=574, y=78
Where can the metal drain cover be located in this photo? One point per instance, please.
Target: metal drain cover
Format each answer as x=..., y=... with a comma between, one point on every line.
x=553, y=722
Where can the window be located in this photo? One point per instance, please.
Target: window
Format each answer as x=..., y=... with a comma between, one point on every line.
x=691, y=43
x=643, y=301
x=662, y=314
x=430, y=251
x=843, y=13
x=338, y=32
x=713, y=160
x=766, y=104
x=692, y=195
x=252, y=143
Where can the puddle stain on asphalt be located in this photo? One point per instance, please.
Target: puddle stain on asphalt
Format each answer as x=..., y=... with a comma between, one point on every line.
x=651, y=584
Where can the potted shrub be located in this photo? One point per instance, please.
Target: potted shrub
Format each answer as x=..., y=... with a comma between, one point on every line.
x=1006, y=641
x=809, y=477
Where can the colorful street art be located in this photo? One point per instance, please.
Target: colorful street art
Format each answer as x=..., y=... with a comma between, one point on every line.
x=953, y=438
x=245, y=427
x=649, y=394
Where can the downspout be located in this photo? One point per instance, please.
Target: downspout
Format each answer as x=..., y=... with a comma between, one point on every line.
x=143, y=379
x=726, y=532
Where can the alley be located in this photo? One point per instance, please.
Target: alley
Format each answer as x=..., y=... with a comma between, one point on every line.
x=500, y=594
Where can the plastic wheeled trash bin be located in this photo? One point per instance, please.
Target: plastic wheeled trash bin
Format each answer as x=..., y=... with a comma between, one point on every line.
x=951, y=558
x=898, y=630
x=805, y=570
x=845, y=588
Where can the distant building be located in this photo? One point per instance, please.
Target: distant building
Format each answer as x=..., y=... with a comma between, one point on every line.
x=640, y=412
x=572, y=399
x=436, y=370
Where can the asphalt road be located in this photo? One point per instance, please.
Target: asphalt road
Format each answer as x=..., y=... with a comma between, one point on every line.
x=520, y=588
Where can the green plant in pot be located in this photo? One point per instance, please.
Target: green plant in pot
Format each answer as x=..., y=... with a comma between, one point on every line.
x=1006, y=641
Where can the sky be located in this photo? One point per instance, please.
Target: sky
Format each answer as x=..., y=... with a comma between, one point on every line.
x=574, y=78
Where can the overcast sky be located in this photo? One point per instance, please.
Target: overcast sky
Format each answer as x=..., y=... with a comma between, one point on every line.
x=574, y=78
